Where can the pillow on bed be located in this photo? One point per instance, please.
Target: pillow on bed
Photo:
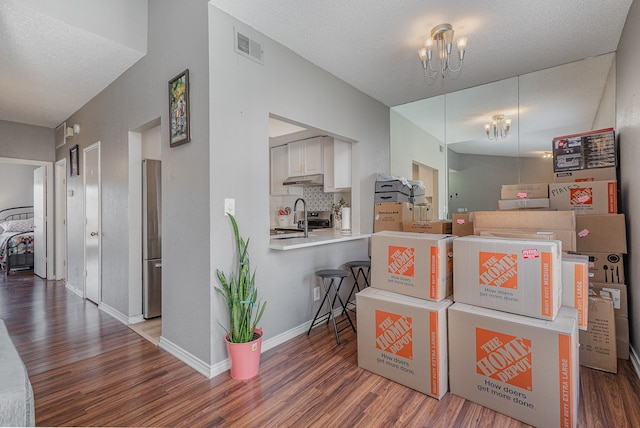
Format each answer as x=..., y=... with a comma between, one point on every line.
x=17, y=225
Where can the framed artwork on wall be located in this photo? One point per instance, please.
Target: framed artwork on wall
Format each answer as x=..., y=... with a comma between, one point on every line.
x=179, y=120
x=74, y=165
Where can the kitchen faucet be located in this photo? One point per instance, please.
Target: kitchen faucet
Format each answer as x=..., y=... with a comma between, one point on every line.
x=305, y=223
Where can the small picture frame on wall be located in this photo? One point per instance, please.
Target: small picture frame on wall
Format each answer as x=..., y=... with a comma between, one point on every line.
x=179, y=120
x=74, y=166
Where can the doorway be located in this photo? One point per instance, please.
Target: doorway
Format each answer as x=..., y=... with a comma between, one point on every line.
x=429, y=177
x=92, y=232
x=48, y=243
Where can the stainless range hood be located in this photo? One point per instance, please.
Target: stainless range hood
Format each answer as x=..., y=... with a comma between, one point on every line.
x=305, y=180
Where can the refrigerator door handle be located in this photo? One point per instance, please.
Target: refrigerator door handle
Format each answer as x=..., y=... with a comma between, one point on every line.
x=158, y=265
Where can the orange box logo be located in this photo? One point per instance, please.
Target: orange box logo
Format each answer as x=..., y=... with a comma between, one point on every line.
x=401, y=260
x=499, y=270
x=581, y=196
x=394, y=334
x=504, y=357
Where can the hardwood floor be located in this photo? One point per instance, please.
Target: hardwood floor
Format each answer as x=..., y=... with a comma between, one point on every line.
x=87, y=369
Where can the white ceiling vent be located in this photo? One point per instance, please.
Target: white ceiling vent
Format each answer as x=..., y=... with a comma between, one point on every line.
x=247, y=47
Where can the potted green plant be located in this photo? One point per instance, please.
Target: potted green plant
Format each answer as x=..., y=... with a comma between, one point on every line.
x=239, y=291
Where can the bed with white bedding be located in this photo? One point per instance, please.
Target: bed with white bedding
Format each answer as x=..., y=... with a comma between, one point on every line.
x=16, y=239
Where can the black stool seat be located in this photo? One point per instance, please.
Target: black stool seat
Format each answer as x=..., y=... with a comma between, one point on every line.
x=332, y=273
x=357, y=268
x=358, y=263
x=335, y=278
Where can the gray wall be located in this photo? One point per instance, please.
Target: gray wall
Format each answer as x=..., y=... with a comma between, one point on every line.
x=628, y=130
x=177, y=40
x=243, y=94
x=475, y=184
x=20, y=141
x=16, y=182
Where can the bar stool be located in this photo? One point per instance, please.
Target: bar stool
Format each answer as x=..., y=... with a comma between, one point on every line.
x=335, y=278
x=357, y=268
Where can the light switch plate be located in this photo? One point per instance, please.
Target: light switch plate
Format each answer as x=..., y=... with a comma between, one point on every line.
x=230, y=206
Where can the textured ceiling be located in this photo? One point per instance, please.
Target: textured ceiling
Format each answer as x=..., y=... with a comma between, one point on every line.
x=373, y=45
x=49, y=68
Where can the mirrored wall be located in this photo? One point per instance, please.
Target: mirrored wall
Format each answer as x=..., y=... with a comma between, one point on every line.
x=501, y=132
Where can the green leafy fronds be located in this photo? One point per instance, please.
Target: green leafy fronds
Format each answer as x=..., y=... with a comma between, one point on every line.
x=240, y=293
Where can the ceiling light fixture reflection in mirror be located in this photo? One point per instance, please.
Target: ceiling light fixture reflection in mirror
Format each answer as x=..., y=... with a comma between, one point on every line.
x=567, y=99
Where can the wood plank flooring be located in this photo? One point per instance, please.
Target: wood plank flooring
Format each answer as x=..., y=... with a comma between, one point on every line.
x=87, y=369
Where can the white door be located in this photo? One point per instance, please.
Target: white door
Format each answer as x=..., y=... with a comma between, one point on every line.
x=91, y=163
x=39, y=222
x=61, y=219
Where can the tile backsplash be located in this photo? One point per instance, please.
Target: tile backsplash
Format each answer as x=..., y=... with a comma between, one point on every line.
x=316, y=199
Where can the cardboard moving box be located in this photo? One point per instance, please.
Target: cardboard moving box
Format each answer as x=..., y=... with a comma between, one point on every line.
x=462, y=224
x=524, y=191
x=604, y=233
x=512, y=275
x=404, y=339
x=523, y=204
x=434, y=226
x=594, y=174
x=523, y=367
x=590, y=197
x=390, y=215
x=606, y=267
x=598, y=347
x=414, y=264
x=575, y=286
x=520, y=234
x=617, y=293
x=561, y=222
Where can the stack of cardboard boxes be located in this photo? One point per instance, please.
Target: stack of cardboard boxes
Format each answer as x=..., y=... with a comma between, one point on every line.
x=402, y=316
x=585, y=169
x=400, y=206
x=512, y=347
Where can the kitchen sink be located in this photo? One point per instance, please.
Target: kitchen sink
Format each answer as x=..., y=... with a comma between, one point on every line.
x=291, y=236
x=285, y=231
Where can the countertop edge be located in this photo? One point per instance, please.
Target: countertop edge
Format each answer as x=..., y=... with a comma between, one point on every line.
x=297, y=243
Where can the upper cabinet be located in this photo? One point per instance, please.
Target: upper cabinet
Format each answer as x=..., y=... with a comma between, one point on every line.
x=337, y=165
x=306, y=156
x=279, y=164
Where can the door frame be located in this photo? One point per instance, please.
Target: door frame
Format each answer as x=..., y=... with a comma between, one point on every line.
x=94, y=146
x=49, y=220
x=61, y=238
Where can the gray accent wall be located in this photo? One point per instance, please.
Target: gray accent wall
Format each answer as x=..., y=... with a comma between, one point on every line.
x=21, y=141
x=243, y=93
x=628, y=134
x=177, y=41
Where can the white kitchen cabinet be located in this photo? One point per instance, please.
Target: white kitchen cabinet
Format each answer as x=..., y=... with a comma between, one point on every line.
x=279, y=169
x=305, y=156
x=337, y=165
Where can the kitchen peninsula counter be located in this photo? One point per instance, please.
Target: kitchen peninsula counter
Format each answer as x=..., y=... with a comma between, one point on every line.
x=316, y=237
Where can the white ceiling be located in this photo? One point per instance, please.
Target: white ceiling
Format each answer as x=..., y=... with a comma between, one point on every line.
x=51, y=64
x=49, y=68
x=373, y=45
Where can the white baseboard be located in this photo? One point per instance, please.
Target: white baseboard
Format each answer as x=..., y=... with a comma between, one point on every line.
x=188, y=358
x=114, y=313
x=74, y=289
x=136, y=319
x=633, y=356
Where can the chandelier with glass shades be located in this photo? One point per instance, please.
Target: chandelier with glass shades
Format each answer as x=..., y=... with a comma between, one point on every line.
x=498, y=128
x=436, y=53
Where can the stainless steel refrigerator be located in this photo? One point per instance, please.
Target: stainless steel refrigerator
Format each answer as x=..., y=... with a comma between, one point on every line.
x=151, y=239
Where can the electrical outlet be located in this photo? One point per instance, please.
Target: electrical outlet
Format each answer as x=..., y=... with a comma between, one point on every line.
x=230, y=206
x=316, y=294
